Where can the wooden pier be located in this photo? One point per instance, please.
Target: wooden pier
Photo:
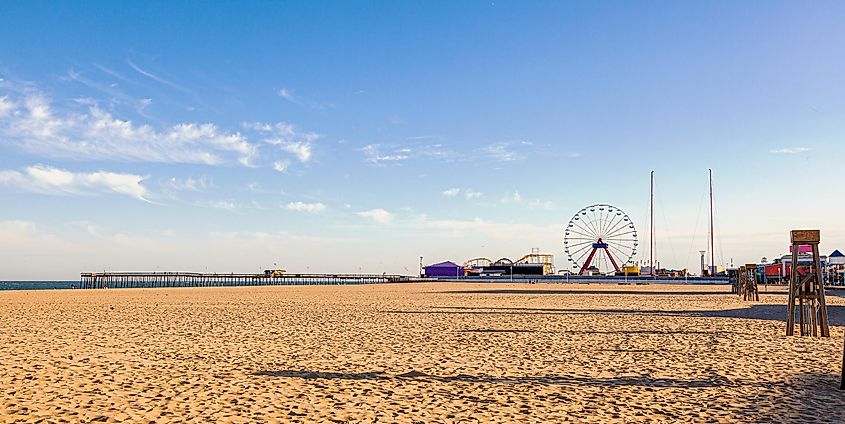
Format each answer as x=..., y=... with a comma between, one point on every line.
x=115, y=280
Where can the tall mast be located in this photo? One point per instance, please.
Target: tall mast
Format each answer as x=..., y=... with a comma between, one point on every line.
x=651, y=229
x=712, y=248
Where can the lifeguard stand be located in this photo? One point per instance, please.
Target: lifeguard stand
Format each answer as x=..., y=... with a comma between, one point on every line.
x=749, y=292
x=807, y=290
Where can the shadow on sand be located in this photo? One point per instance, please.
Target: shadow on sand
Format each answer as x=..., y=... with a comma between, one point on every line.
x=592, y=292
x=805, y=397
x=836, y=314
x=645, y=381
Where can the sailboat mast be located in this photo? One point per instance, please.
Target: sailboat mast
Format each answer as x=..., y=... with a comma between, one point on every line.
x=651, y=229
x=712, y=249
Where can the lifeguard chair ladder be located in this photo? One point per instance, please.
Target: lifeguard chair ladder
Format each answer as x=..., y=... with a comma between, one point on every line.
x=807, y=290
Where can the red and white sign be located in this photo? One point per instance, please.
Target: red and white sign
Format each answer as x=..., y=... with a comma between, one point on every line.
x=802, y=249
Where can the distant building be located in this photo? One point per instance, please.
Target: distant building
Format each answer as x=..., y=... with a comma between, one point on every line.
x=444, y=269
x=779, y=270
x=836, y=268
x=534, y=263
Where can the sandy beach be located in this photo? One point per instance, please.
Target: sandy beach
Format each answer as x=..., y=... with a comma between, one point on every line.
x=448, y=352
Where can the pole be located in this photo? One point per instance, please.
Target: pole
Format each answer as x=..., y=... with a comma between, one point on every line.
x=712, y=248
x=842, y=384
x=651, y=230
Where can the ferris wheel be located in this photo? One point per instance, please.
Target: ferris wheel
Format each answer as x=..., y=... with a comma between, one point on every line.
x=602, y=236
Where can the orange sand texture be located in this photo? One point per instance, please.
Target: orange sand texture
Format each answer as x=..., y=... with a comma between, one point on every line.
x=414, y=353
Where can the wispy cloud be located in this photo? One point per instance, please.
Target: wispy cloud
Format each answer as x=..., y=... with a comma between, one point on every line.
x=229, y=205
x=495, y=230
x=224, y=204
x=95, y=134
x=508, y=151
x=541, y=204
x=380, y=216
x=48, y=180
x=373, y=153
x=113, y=73
x=452, y=192
x=6, y=106
x=287, y=138
x=286, y=94
x=188, y=184
x=306, y=207
x=514, y=197
x=156, y=78
x=383, y=154
x=82, y=130
x=289, y=95
x=472, y=194
x=469, y=194
x=790, y=150
x=281, y=166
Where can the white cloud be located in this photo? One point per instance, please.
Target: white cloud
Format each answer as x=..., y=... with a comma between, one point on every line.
x=224, y=204
x=516, y=198
x=188, y=184
x=512, y=198
x=452, y=192
x=302, y=150
x=155, y=77
x=287, y=138
x=380, y=154
x=790, y=150
x=378, y=215
x=82, y=130
x=280, y=166
x=95, y=134
x=506, y=151
x=286, y=94
x=470, y=194
x=373, y=153
x=305, y=207
x=48, y=180
x=495, y=230
x=541, y=204
x=17, y=228
x=6, y=106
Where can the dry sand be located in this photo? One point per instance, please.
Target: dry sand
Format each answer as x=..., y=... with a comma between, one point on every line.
x=414, y=353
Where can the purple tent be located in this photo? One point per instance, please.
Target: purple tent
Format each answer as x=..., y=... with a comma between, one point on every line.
x=444, y=269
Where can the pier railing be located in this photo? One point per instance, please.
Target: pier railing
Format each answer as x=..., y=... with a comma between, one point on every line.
x=99, y=280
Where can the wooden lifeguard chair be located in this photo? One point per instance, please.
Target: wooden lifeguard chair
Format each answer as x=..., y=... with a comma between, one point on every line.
x=749, y=291
x=807, y=290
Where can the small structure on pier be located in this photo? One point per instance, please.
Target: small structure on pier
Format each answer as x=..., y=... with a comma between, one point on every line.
x=807, y=290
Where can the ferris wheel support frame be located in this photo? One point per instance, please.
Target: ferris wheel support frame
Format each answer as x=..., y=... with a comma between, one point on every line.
x=596, y=246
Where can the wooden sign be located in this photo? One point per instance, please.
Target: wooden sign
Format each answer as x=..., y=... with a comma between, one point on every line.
x=805, y=236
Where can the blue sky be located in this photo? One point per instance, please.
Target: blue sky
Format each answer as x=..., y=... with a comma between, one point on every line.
x=360, y=136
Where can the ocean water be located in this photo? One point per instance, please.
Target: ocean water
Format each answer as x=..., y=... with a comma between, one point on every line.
x=37, y=285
